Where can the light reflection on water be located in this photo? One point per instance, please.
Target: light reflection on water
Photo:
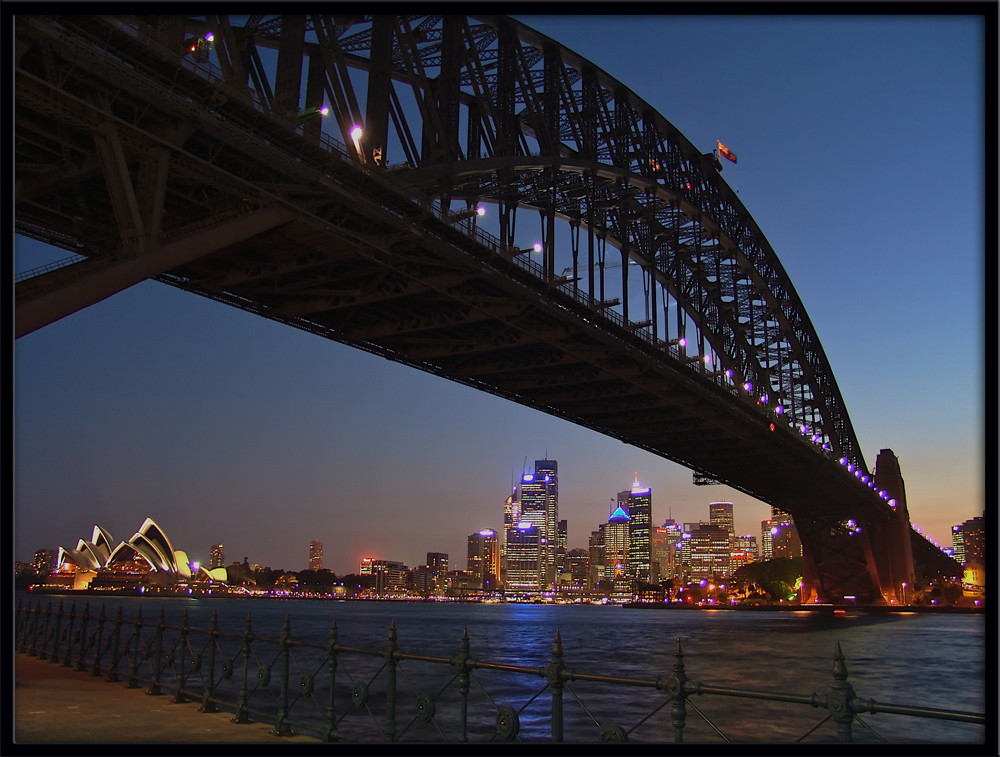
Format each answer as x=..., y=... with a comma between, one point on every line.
x=914, y=659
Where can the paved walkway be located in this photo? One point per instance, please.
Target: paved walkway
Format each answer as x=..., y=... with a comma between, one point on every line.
x=54, y=704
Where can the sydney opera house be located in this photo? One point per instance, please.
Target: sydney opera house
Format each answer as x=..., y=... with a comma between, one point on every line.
x=145, y=559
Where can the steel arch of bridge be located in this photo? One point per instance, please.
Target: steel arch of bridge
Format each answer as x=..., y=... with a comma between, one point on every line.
x=150, y=152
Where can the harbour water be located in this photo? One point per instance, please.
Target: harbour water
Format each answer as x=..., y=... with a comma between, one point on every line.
x=903, y=658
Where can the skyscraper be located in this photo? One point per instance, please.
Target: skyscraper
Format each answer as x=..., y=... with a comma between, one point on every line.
x=539, y=504
x=616, y=545
x=709, y=552
x=721, y=514
x=971, y=537
x=640, y=505
x=523, y=558
x=315, y=555
x=437, y=564
x=511, y=517
x=665, y=555
x=484, y=558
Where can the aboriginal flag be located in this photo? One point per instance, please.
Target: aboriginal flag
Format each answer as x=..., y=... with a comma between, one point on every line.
x=724, y=152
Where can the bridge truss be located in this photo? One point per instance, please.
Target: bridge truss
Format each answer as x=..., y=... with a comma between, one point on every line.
x=652, y=308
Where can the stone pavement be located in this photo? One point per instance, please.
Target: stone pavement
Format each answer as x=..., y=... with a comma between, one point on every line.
x=54, y=704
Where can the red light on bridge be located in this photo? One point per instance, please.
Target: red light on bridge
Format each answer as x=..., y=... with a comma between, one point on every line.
x=771, y=427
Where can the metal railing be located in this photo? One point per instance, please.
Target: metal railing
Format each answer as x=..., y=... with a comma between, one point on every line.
x=346, y=693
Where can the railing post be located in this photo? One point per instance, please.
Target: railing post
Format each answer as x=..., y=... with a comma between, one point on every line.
x=133, y=659
x=98, y=643
x=462, y=663
x=554, y=675
x=207, y=705
x=841, y=694
x=677, y=686
x=81, y=664
x=332, y=648
x=56, y=634
x=156, y=664
x=242, y=703
x=281, y=726
x=68, y=657
x=390, y=690
x=181, y=678
x=116, y=648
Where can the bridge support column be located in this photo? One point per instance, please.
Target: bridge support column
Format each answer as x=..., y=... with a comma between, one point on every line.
x=47, y=298
x=891, y=539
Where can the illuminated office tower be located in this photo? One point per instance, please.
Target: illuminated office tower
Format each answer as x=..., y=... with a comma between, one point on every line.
x=958, y=544
x=973, y=537
x=665, y=553
x=640, y=525
x=721, y=514
x=484, y=558
x=785, y=541
x=511, y=517
x=539, y=504
x=523, y=558
x=595, y=569
x=743, y=553
x=709, y=552
x=216, y=556
x=44, y=560
x=766, y=547
x=616, y=545
x=437, y=564
x=315, y=555
x=780, y=516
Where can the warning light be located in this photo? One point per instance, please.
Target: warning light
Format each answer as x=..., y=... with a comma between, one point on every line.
x=771, y=427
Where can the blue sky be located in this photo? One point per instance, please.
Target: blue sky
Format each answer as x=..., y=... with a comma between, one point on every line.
x=861, y=157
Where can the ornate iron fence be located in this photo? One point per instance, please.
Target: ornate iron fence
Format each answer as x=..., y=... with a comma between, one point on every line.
x=345, y=693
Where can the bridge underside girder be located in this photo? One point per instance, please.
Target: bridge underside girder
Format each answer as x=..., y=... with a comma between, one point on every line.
x=132, y=156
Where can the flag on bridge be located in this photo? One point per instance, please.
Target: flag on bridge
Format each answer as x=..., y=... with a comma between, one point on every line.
x=725, y=153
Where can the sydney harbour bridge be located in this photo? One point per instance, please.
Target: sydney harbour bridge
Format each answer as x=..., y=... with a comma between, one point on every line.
x=331, y=173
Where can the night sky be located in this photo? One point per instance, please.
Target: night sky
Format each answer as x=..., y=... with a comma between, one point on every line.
x=861, y=156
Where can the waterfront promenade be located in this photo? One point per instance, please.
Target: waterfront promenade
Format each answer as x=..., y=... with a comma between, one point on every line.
x=54, y=704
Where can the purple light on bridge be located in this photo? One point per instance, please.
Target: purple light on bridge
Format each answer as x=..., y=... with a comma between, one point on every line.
x=843, y=461
x=779, y=410
x=747, y=386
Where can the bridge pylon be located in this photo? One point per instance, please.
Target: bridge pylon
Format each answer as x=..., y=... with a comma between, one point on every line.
x=891, y=539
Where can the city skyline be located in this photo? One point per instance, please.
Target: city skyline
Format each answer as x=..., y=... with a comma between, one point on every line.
x=224, y=426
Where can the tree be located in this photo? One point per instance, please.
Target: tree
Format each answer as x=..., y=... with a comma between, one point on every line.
x=773, y=579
